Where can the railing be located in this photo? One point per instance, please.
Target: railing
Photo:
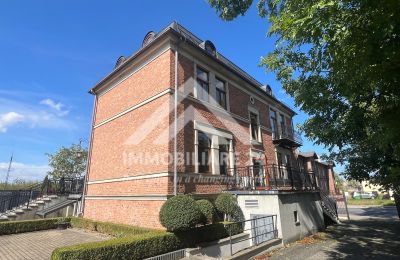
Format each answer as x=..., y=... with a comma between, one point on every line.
x=11, y=199
x=271, y=177
x=64, y=186
x=261, y=229
x=175, y=255
x=287, y=133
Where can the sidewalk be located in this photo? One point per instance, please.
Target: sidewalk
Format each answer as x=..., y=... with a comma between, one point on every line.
x=357, y=239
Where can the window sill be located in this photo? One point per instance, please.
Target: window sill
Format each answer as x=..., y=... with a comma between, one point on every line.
x=256, y=142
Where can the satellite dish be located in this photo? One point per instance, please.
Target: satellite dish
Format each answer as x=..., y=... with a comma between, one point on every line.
x=150, y=36
x=120, y=60
x=209, y=47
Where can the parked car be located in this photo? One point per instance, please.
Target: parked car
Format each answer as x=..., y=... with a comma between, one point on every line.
x=363, y=195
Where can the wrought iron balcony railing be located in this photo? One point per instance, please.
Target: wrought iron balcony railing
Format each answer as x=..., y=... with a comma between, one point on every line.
x=287, y=134
x=271, y=177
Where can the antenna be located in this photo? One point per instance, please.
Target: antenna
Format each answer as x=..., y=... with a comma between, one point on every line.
x=8, y=171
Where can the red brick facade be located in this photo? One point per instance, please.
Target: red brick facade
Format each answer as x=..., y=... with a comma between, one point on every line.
x=134, y=115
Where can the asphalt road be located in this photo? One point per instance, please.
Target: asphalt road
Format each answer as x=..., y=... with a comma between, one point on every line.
x=370, y=212
x=372, y=233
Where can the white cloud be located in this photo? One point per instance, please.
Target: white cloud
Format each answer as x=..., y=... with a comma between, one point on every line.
x=9, y=119
x=23, y=171
x=13, y=111
x=58, y=106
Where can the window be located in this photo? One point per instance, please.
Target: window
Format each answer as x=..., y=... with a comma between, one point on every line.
x=203, y=159
x=254, y=126
x=296, y=217
x=203, y=88
x=274, y=124
x=223, y=156
x=282, y=123
x=220, y=92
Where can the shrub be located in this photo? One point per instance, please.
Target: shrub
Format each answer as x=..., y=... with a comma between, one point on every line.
x=226, y=204
x=139, y=247
x=14, y=227
x=117, y=230
x=209, y=213
x=180, y=213
x=144, y=245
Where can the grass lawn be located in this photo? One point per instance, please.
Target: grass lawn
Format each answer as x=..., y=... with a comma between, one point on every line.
x=370, y=202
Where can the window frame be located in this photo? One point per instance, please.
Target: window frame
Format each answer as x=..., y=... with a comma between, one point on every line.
x=254, y=130
x=200, y=83
x=219, y=93
x=203, y=168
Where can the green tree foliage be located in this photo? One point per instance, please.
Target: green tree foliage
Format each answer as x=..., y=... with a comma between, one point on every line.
x=340, y=61
x=209, y=213
x=180, y=213
x=227, y=205
x=68, y=162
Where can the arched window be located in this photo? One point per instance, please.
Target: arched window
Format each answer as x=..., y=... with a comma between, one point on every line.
x=204, y=146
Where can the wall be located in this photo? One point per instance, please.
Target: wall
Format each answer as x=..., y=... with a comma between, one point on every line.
x=309, y=212
x=283, y=204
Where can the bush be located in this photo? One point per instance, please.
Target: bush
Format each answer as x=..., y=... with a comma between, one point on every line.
x=226, y=204
x=144, y=245
x=209, y=213
x=117, y=230
x=14, y=227
x=180, y=213
x=139, y=247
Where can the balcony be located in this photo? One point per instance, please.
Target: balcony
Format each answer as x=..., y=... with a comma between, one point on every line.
x=286, y=137
x=271, y=177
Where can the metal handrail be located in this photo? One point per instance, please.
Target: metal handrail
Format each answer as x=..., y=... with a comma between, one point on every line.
x=272, y=176
x=285, y=132
x=62, y=186
x=255, y=236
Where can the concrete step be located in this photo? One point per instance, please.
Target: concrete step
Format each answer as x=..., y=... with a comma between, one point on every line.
x=40, y=202
x=11, y=215
x=19, y=211
x=53, y=196
x=46, y=199
x=33, y=205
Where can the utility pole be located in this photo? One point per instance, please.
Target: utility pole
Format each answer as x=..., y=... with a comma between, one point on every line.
x=8, y=172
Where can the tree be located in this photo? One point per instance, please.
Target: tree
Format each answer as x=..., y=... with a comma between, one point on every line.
x=69, y=162
x=340, y=61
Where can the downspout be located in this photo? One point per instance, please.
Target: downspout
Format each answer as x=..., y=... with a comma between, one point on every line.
x=176, y=124
x=89, y=156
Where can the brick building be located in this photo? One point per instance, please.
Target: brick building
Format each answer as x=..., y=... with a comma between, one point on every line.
x=231, y=131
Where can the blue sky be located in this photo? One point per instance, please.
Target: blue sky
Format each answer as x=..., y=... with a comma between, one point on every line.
x=52, y=52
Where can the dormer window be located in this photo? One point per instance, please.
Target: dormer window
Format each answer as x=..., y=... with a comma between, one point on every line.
x=203, y=85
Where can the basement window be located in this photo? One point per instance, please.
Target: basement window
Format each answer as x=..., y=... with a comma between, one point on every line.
x=296, y=217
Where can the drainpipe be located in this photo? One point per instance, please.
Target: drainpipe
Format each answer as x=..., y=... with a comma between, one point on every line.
x=176, y=124
x=82, y=206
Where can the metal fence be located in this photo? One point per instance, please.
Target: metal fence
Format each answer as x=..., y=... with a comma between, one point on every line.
x=175, y=255
x=262, y=229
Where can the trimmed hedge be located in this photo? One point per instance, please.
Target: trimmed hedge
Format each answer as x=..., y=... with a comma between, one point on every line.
x=180, y=213
x=226, y=203
x=14, y=227
x=209, y=213
x=116, y=230
x=139, y=247
x=144, y=245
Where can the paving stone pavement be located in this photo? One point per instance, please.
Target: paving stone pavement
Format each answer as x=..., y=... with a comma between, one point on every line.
x=40, y=244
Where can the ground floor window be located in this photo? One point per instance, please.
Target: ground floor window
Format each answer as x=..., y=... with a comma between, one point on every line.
x=203, y=154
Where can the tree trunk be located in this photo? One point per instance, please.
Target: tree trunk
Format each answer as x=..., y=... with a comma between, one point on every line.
x=397, y=201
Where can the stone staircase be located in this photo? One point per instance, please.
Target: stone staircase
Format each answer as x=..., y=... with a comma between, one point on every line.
x=28, y=210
